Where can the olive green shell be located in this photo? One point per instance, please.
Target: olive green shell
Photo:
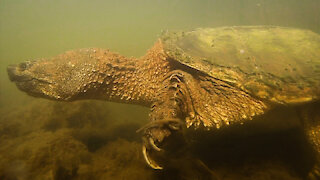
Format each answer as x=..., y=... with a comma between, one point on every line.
x=278, y=64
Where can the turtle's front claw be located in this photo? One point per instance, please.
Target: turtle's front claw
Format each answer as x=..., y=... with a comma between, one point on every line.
x=315, y=173
x=149, y=161
x=153, y=145
x=149, y=150
x=154, y=134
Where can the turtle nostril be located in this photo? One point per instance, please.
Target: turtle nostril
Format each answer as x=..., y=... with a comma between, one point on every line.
x=12, y=72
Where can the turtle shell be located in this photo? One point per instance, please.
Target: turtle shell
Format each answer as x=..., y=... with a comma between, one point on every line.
x=278, y=64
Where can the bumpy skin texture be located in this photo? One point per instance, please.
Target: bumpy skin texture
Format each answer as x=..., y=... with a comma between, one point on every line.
x=177, y=94
x=153, y=80
x=93, y=74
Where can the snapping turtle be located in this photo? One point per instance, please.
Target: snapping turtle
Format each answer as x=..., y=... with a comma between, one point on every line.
x=205, y=79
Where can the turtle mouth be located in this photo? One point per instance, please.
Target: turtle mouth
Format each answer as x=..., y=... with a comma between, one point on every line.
x=21, y=75
x=18, y=73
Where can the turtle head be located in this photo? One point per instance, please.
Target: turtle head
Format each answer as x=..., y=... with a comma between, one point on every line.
x=59, y=78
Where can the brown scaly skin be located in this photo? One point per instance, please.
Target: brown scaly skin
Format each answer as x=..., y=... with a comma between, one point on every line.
x=177, y=95
x=93, y=74
x=100, y=74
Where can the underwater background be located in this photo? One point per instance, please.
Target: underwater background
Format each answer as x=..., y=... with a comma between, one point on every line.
x=42, y=139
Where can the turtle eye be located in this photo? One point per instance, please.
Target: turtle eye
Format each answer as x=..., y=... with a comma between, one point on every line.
x=23, y=66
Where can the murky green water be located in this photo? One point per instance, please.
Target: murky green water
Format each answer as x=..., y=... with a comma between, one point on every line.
x=88, y=131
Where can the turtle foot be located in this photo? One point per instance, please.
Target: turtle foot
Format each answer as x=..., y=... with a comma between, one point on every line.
x=315, y=173
x=153, y=135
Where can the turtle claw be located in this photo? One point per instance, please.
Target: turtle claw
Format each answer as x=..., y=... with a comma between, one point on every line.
x=174, y=127
x=315, y=173
x=149, y=161
x=153, y=145
x=153, y=134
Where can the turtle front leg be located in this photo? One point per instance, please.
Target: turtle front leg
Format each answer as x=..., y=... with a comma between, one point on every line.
x=313, y=133
x=311, y=123
x=167, y=115
x=314, y=136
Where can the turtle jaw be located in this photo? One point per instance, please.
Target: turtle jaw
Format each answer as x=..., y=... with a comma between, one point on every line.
x=23, y=79
x=33, y=84
x=17, y=73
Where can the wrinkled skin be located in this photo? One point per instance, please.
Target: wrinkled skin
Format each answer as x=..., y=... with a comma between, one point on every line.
x=179, y=96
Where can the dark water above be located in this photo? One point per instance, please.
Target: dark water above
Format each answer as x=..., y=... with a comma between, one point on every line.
x=41, y=139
